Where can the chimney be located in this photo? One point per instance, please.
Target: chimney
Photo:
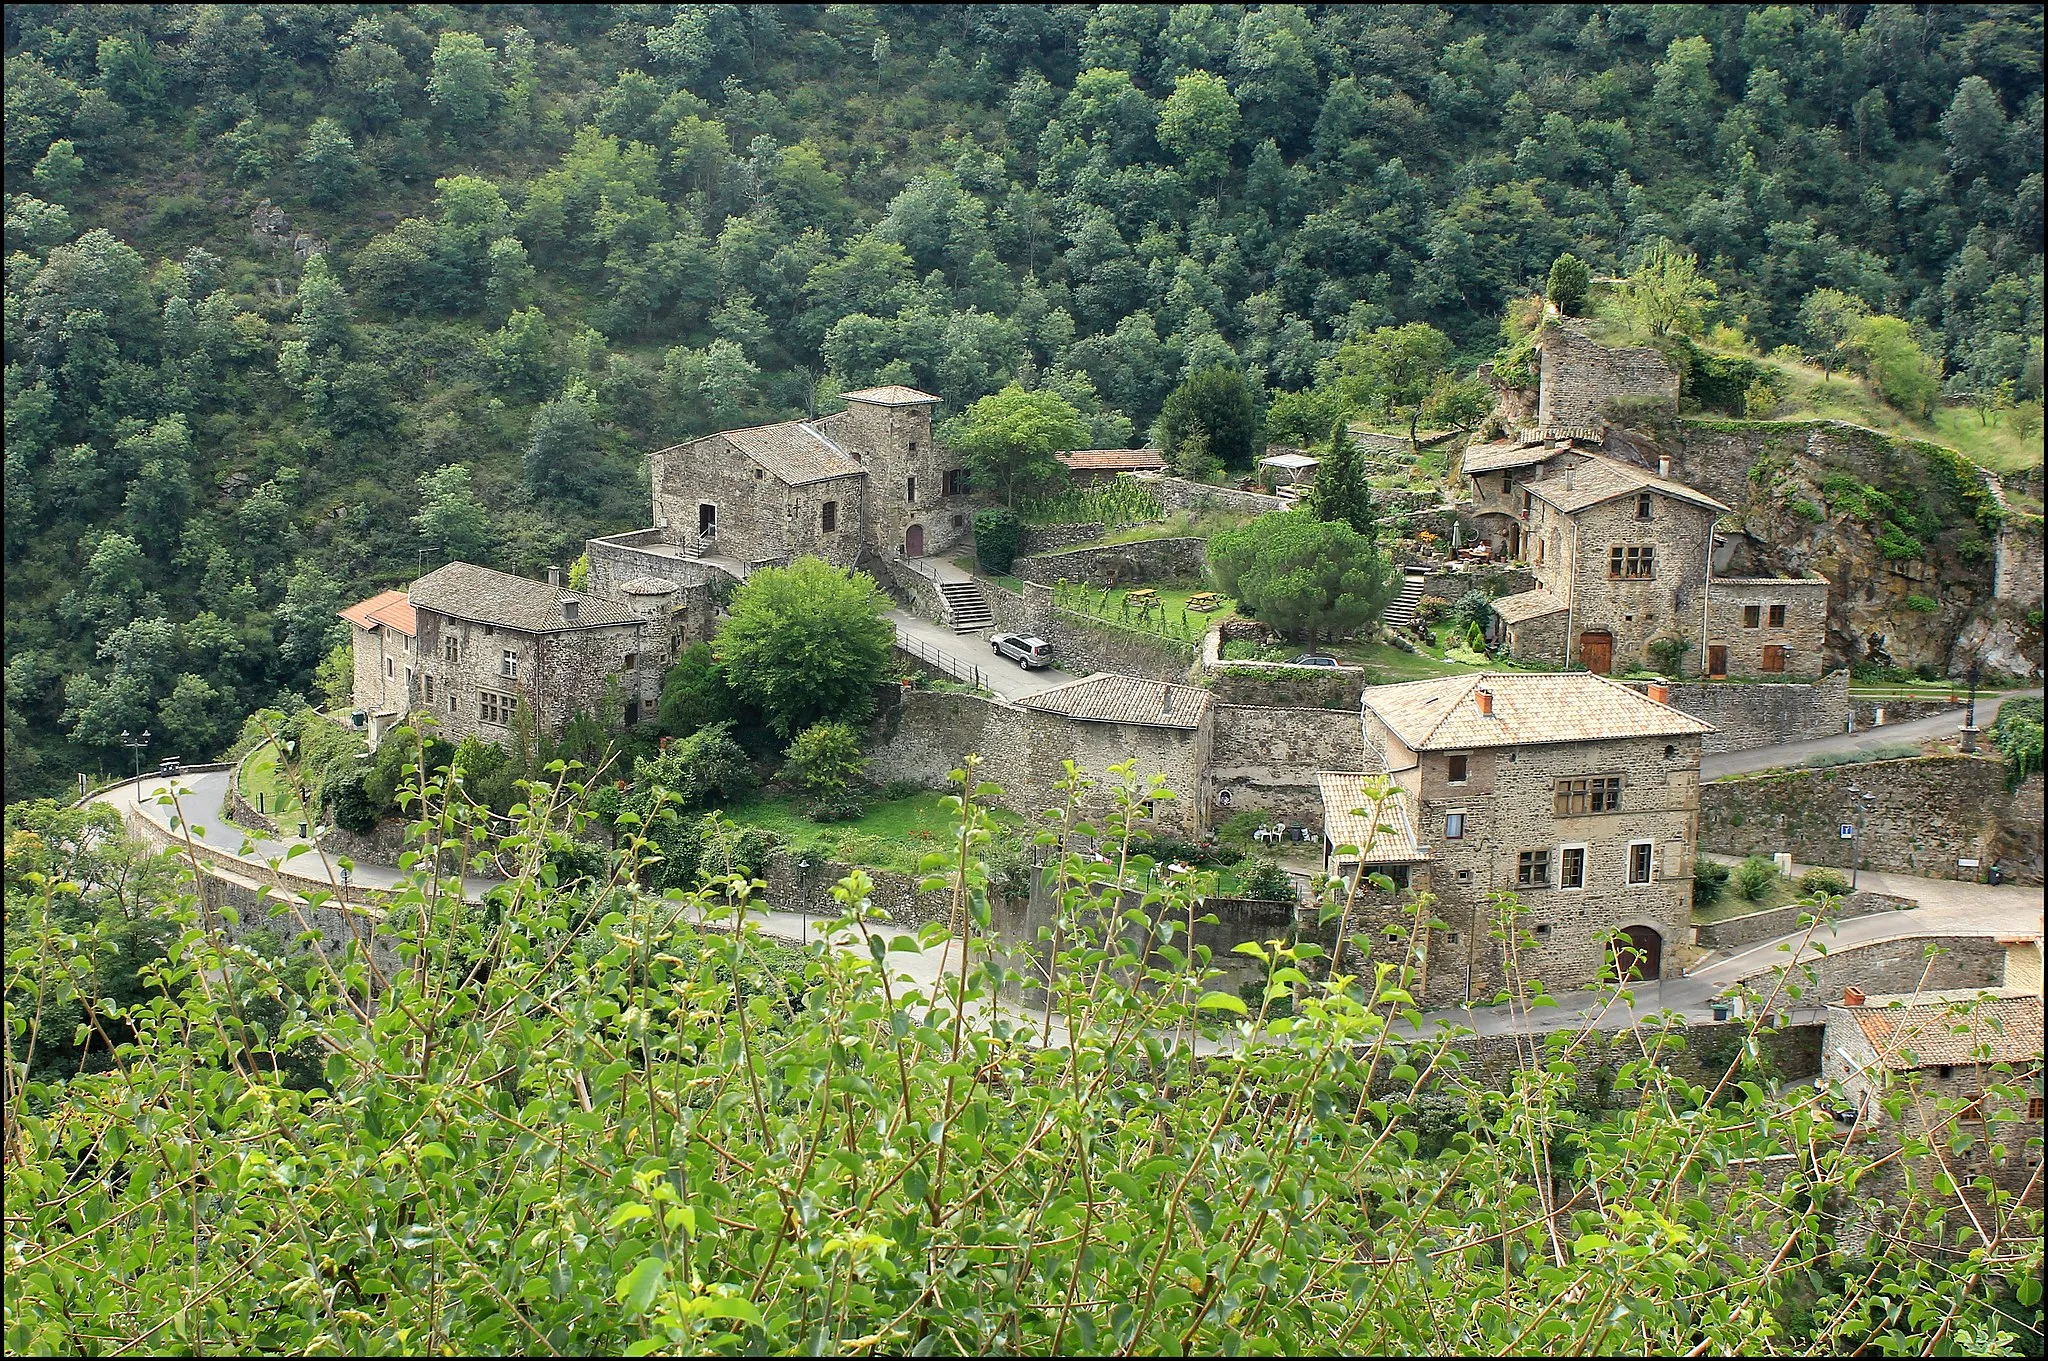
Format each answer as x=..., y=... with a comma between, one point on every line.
x=1568, y=470
x=1663, y=465
x=571, y=608
x=1851, y=997
x=555, y=577
x=1660, y=693
x=1165, y=699
x=1485, y=700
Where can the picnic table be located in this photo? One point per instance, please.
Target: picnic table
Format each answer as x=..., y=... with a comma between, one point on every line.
x=1142, y=593
x=1202, y=602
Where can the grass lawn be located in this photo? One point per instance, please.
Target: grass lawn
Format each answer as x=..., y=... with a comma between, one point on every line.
x=261, y=776
x=893, y=834
x=1174, y=599
x=1730, y=903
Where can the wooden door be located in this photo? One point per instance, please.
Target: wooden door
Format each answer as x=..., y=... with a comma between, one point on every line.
x=1596, y=651
x=913, y=542
x=1773, y=659
x=1717, y=661
x=1638, y=955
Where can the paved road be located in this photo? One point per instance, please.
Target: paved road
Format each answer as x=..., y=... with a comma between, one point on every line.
x=973, y=659
x=198, y=799
x=1869, y=739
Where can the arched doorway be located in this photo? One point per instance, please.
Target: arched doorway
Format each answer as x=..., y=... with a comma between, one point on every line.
x=1638, y=955
x=913, y=542
x=1596, y=651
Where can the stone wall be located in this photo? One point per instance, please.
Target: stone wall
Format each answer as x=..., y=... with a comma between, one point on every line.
x=915, y=591
x=1701, y=1052
x=1266, y=759
x=1450, y=583
x=1054, y=538
x=1177, y=493
x=1762, y=715
x=1867, y=712
x=794, y=890
x=1928, y=813
x=1899, y=965
x=1121, y=564
x=2018, y=847
x=1276, y=685
x=1784, y=921
x=1022, y=750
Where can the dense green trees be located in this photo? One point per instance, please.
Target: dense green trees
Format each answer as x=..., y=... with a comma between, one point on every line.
x=1011, y=440
x=807, y=643
x=1312, y=579
x=712, y=216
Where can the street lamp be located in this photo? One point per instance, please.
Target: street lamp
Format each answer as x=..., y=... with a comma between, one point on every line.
x=803, y=894
x=1970, y=714
x=1851, y=828
x=136, y=745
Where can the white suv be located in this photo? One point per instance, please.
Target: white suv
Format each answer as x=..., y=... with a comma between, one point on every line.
x=1026, y=652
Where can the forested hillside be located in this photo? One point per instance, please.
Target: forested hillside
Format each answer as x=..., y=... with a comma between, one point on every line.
x=300, y=298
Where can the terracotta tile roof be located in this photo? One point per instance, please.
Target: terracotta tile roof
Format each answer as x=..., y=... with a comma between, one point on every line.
x=388, y=609
x=1113, y=460
x=1103, y=698
x=1501, y=454
x=893, y=394
x=463, y=590
x=794, y=452
x=1603, y=479
x=1516, y=609
x=1942, y=1028
x=1528, y=708
x=1390, y=839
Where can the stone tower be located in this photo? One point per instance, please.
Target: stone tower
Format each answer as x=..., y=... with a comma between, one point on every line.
x=909, y=506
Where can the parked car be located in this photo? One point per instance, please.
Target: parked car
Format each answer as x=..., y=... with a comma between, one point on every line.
x=1314, y=659
x=170, y=765
x=1025, y=651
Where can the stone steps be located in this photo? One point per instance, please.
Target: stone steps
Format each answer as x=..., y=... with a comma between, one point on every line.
x=1401, y=613
x=967, y=608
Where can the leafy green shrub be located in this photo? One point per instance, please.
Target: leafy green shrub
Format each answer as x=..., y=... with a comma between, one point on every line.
x=826, y=760
x=1709, y=877
x=1821, y=879
x=1203, y=855
x=1268, y=881
x=1808, y=510
x=1756, y=877
x=1432, y=608
x=901, y=789
x=996, y=532
x=1473, y=607
x=1897, y=545
x=1114, y=504
x=2017, y=733
x=701, y=770
x=1475, y=639
x=1922, y=604
x=1669, y=651
x=342, y=792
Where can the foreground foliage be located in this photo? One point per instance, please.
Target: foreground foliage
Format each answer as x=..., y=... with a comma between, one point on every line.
x=603, y=1121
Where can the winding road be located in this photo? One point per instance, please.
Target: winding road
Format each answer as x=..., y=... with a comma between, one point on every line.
x=1866, y=740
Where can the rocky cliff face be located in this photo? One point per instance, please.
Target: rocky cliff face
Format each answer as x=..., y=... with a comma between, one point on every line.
x=1928, y=567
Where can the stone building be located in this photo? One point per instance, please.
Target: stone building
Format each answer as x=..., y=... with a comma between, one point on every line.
x=1570, y=790
x=867, y=480
x=1107, y=465
x=1624, y=558
x=1935, y=1045
x=485, y=643
x=1581, y=382
x=385, y=636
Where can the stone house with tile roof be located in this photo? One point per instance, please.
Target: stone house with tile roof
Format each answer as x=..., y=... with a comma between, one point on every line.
x=486, y=643
x=1950, y=1044
x=384, y=634
x=869, y=480
x=1572, y=791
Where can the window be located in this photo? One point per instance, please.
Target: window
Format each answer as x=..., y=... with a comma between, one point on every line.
x=2033, y=1108
x=1454, y=826
x=492, y=707
x=959, y=520
x=389, y=669
x=1638, y=562
x=1639, y=854
x=631, y=662
x=1777, y=616
x=1974, y=1110
x=1532, y=870
x=910, y=491
x=1542, y=931
x=490, y=630
x=430, y=689
x=1507, y=484
x=1773, y=659
x=451, y=649
x=1527, y=501
x=1464, y=876
x=1752, y=616
x=1571, y=867
x=828, y=517
x=1457, y=767
x=1539, y=552
x=1644, y=503
x=1588, y=794
x=1671, y=751
x=759, y=475
x=956, y=482
x=451, y=701
x=508, y=664
x=1943, y=1071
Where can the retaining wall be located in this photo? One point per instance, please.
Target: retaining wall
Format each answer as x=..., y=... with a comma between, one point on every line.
x=1887, y=966
x=1082, y=644
x=1762, y=715
x=1866, y=711
x=1927, y=813
x=1177, y=493
x=1266, y=759
x=1119, y=564
x=1784, y=921
x=1700, y=1052
x=1053, y=538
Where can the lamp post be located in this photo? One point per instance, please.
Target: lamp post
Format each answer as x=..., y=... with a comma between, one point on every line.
x=136, y=745
x=803, y=895
x=1856, y=812
x=1970, y=714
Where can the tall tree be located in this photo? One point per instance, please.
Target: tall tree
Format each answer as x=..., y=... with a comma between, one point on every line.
x=1215, y=405
x=807, y=642
x=330, y=162
x=1568, y=283
x=1665, y=293
x=1392, y=370
x=1343, y=493
x=1310, y=579
x=464, y=83
x=1012, y=440
x=1199, y=124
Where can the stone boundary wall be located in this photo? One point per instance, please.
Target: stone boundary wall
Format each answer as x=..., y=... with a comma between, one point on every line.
x=1700, y=1052
x=235, y=808
x=1928, y=812
x=918, y=593
x=1053, y=538
x=337, y=925
x=1177, y=493
x=1449, y=584
x=1898, y=710
x=1119, y=564
x=1266, y=759
x=1774, y=922
x=791, y=890
x=1886, y=966
x=1278, y=685
x=1762, y=715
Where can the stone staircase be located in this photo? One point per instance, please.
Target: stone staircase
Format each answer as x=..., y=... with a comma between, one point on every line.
x=967, y=608
x=1401, y=613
